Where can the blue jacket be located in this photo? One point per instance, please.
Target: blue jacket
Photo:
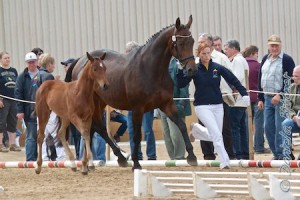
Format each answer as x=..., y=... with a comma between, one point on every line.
x=26, y=89
x=207, y=83
x=288, y=66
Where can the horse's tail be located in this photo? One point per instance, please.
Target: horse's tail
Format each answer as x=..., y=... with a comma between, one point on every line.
x=68, y=77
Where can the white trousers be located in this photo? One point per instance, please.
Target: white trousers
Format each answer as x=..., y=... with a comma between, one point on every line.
x=212, y=118
x=51, y=128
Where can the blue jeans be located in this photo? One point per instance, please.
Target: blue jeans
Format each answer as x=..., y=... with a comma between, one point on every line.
x=240, y=136
x=258, y=118
x=288, y=127
x=147, y=124
x=273, y=125
x=123, y=120
x=31, y=141
x=98, y=147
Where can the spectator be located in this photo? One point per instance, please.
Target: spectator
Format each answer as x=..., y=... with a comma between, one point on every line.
x=251, y=55
x=147, y=124
x=8, y=108
x=292, y=124
x=67, y=62
x=275, y=69
x=117, y=116
x=206, y=146
x=38, y=52
x=209, y=107
x=172, y=135
x=217, y=43
x=238, y=111
x=26, y=87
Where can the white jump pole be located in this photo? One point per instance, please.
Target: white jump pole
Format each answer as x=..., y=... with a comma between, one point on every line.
x=159, y=163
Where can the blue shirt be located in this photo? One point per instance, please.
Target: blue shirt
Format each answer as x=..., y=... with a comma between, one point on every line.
x=207, y=83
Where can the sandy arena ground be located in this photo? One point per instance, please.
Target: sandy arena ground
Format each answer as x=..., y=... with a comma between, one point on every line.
x=104, y=183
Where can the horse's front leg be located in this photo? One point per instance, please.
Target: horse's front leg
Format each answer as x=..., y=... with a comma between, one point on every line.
x=136, y=118
x=62, y=137
x=87, y=159
x=171, y=111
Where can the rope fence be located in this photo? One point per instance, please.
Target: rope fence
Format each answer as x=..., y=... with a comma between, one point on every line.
x=192, y=99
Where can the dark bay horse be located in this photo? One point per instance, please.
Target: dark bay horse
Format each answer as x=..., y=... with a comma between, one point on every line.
x=140, y=80
x=72, y=102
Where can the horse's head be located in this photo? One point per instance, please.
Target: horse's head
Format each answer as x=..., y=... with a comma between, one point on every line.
x=98, y=72
x=182, y=46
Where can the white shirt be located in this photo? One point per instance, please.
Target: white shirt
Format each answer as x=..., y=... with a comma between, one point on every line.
x=238, y=66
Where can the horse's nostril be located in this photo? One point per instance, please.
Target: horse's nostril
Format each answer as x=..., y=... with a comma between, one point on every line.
x=105, y=86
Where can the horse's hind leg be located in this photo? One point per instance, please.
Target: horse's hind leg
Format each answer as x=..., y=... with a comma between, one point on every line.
x=40, y=140
x=122, y=161
x=98, y=125
x=171, y=112
x=43, y=114
x=62, y=136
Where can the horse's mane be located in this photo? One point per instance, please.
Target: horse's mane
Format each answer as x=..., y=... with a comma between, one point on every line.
x=68, y=77
x=154, y=36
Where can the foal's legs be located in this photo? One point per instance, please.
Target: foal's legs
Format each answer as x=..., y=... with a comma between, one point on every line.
x=42, y=120
x=62, y=136
x=171, y=112
x=87, y=152
x=43, y=114
x=84, y=128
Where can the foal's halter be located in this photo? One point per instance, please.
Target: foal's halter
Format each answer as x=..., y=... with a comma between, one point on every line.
x=174, y=43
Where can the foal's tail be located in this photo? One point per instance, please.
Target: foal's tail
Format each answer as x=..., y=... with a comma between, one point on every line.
x=68, y=77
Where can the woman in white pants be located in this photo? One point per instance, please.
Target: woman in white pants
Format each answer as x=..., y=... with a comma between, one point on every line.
x=208, y=98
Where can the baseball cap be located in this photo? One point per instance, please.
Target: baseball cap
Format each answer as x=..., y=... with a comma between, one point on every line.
x=30, y=57
x=67, y=61
x=37, y=51
x=274, y=39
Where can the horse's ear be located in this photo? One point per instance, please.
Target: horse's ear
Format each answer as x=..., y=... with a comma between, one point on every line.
x=177, y=24
x=188, y=25
x=103, y=56
x=89, y=56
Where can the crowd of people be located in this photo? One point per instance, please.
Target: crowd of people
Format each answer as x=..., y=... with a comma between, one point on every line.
x=220, y=102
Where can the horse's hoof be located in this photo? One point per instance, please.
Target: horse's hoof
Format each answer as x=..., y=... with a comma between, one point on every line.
x=84, y=173
x=91, y=168
x=192, y=160
x=136, y=167
x=74, y=169
x=37, y=171
x=122, y=161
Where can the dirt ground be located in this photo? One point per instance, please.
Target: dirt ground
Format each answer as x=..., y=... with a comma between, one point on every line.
x=103, y=183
